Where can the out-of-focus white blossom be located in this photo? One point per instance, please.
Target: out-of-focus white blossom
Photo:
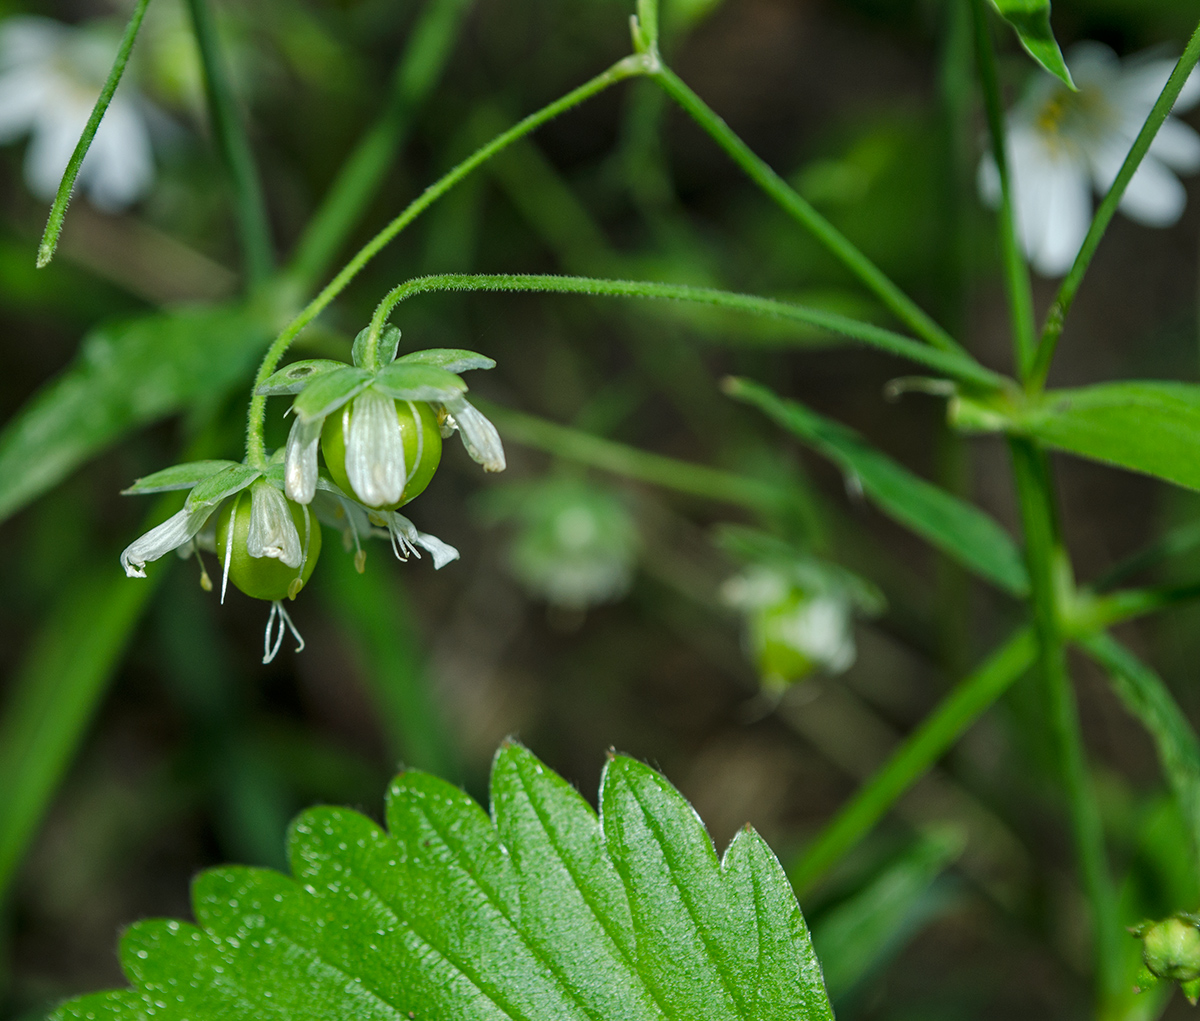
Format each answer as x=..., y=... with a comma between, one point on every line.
x=50, y=76
x=1064, y=144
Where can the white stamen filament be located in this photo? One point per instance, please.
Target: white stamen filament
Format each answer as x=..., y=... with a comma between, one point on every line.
x=278, y=615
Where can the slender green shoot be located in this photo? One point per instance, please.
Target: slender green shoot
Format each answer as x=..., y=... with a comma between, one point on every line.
x=902, y=306
x=429, y=46
x=937, y=733
x=1175, y=543
x=627, y=67
x=956, y=364
x=58, y=210
x=1107, y=209
x=1016, y=270
x=250, y=207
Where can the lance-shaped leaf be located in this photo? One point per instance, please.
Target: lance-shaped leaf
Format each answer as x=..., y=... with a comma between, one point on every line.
x=389, y=342
x=415, y=382
x=955, y=527
x=293, y=378
x=1031, y=19
x=329, y=392
x=178, y=476
x=451, y=359
x=217, y=487
x=541, y=912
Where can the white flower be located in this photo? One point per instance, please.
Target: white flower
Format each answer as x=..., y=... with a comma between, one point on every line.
x=50, y=76
x=1062, y=144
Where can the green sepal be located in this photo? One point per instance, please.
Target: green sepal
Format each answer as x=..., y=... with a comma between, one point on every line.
x=178, y=476
x=389, y=343
x=1031, y=21
x=215, y=488
x=1191, y=990
x=291, y=379
x=452, y=359
x=408, y=382
x=329, y=392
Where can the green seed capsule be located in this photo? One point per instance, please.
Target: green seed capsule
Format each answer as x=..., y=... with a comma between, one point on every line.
x=265, y=577
x=421, y=439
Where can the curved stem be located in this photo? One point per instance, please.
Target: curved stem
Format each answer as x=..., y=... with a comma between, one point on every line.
x=1057, y=315
x=956, y=364
x=628, y=67
x=792, y=203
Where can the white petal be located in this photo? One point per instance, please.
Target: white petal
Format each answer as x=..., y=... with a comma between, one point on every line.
x=1178, y=146
x=1155, y=197
x=1142, y=81
x=479, y=436
x=272, y=531
x=29, y=40
x=1052, y=196
x=374, y=449
x=821, y=630
x=54, y=140
x=300, y=462
x=119, y=166
x=987, y=180
x=176, y=531
x=23, y=95
x=442, y=552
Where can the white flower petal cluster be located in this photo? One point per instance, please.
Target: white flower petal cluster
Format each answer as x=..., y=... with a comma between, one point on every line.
x=1063, y=145
x=50, y=76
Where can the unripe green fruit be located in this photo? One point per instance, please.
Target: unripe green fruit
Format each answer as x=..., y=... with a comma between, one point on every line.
x=420, y=434
x=264, y=577
x=1171, y=949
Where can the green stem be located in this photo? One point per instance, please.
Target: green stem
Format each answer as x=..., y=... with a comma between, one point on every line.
x=957, y=364
x=915, y=757
x=628, y=67
x=792, y=203
x=249, y=205
x=1016, y=272
x=429, y=46
x=1057, y=315
x=1047, y=566
x=58, y=210
x=634, y=463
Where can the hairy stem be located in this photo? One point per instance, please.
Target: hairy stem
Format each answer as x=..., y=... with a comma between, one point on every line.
x=250, y=207
x=623, y=69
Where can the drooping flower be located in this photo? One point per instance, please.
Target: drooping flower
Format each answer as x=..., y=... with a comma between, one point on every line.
x=1062, y=144
x=576, y=544
x=50, y=77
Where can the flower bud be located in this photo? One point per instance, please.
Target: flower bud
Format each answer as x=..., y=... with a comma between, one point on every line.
x=1171, y=948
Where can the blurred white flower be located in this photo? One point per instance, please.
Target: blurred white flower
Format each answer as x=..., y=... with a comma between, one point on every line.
x=1062, y=144
x=50, y=76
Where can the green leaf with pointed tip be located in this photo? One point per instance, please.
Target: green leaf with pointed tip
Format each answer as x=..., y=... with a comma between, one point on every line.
x=178, y=476
x=406, y=381
x=451, y=359
x=216, y=488
x=1031, y=20
x=540, y=912
x=330, y=391
x=955, y=527
x=293, y=378
x=389, y=342
x=126, y=375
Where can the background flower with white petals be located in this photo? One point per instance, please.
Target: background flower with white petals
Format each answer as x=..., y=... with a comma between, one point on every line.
x=1064, y=144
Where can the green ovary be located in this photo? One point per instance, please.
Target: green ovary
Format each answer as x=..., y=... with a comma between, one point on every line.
x=264, y=577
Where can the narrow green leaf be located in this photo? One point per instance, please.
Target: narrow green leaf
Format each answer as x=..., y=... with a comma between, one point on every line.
x=212, y=490
x=958, y=529
x=541, y=913
x=1149, y=427
x=330, y=391
x=406, y=381
x=178, y=476
x=448, y=358
x=293, y=378
x=1149, y=699
x=59, y=209
x=125, y=376
x=1031, y=20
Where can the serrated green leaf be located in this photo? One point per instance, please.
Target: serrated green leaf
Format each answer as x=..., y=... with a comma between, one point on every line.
x=449, y=358
x=178, y=476
x=406, y=381
x=216, y=488
x=329, y=392
x=125, y=375
x=957, y=528
x=1149, y=427
x=1031, y=20
x=295, y=377
x=540, y=912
